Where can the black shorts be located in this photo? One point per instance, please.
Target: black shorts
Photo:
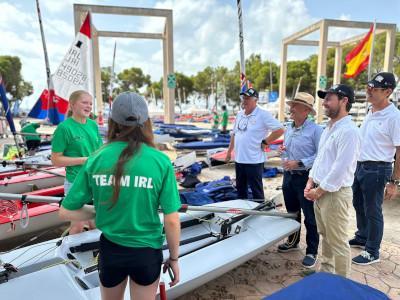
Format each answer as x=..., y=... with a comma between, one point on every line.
x=116, y=262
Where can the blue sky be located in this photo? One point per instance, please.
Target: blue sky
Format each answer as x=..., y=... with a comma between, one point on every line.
x=359, y=10
x=205, y=31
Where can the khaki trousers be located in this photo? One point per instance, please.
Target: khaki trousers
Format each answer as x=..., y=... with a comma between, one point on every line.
x=332, y=217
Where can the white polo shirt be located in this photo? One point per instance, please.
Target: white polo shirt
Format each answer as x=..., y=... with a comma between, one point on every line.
x=380, y=134
x=249, y=131
x=338, y=151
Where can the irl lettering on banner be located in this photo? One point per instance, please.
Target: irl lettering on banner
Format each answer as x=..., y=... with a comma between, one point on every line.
x=69, y=68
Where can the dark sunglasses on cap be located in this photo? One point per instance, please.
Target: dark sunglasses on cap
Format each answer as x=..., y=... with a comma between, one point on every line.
x=250, y=93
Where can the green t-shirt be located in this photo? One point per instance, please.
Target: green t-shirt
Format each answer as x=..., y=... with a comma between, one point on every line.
x=225, y=118
x=74, y=139
x=31, y=128
x=147, y=184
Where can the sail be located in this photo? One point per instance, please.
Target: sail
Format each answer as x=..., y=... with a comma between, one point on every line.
x=74, y=73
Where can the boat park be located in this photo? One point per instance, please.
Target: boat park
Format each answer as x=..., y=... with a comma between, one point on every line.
x=228, y=249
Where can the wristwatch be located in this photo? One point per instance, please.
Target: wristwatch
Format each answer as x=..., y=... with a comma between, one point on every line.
x=395, y=181
x=264, y=142
x=300, y=163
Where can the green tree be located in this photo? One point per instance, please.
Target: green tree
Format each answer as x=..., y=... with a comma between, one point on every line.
x=202, y=82
x=10, y=70
x=262, y=81
x=253, y=67
x=232, y=85
x=155, y=89
x=132, y=79
x=184, y=87
x=105, y=83
x=299, y=73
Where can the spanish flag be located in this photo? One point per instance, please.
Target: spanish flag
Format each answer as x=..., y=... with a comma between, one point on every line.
x=358, y=58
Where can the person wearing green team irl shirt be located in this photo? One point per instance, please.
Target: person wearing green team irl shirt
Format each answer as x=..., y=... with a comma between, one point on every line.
x=73, y=141
x=128, y=181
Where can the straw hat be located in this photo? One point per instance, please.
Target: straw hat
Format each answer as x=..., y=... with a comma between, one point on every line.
x=305, y=99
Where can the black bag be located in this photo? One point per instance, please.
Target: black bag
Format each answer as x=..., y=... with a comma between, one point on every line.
x=189, y=181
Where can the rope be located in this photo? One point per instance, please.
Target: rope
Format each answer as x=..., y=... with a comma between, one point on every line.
x=27, y=250
x=39, y=256
x=63, y=262
x=204, y=222
x=24, y=221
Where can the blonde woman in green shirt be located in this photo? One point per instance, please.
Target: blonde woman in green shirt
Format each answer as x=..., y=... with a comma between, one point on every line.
x=73, y=141
x=129, y=180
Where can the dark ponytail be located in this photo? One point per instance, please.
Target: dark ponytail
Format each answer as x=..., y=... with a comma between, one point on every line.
x=135, y=136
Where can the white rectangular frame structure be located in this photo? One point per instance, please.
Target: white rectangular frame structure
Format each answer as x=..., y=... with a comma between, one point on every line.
x=323, y=44
x=80, y=11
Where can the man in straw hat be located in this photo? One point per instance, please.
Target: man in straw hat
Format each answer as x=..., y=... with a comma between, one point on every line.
x=331, y=178
x=298, y=154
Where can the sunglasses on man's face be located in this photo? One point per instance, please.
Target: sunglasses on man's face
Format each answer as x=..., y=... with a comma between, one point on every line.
x=372, y=88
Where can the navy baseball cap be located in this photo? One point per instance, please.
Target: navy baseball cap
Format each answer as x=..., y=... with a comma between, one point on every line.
x=339, y=89
x=250, y=93
x=383, y=80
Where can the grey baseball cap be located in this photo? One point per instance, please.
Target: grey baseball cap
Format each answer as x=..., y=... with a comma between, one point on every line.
x=129, y=109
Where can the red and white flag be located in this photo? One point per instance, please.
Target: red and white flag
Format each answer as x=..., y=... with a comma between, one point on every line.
x=74, y=73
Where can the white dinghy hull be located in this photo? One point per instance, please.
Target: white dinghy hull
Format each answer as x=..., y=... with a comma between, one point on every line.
x=46, y=271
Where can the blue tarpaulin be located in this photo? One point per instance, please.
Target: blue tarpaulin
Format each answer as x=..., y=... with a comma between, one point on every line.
x=325, y=286
x=272, y=96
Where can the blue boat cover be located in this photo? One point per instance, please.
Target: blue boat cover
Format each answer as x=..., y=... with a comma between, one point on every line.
x=210, y=192
x=325, y=286
x=269, y=172
x=202, y=145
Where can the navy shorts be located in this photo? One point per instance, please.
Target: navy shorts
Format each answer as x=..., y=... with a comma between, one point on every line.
x=116, y=262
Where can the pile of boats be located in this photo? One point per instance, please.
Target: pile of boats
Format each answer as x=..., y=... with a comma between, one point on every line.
x=19, y=218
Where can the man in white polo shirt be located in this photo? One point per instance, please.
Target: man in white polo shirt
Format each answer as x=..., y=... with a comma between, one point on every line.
x=331, y=178
x=249, y=137
x=374, y=179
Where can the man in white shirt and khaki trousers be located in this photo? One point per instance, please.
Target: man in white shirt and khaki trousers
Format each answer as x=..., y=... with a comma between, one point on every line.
x=374, y=179
x=331, y=178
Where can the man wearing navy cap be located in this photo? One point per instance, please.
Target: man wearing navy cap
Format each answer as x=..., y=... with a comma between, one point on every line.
x=331, y=178
x=374, y=179
x=249, y=138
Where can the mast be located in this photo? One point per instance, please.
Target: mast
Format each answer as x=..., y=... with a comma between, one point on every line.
x=50, y=86
x=112, y=77
x=243, y=82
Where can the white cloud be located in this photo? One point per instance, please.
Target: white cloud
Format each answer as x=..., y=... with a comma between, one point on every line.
x=205, y=34
x=11, y=16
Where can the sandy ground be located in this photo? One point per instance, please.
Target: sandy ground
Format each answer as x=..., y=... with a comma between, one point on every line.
x=271, y=271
